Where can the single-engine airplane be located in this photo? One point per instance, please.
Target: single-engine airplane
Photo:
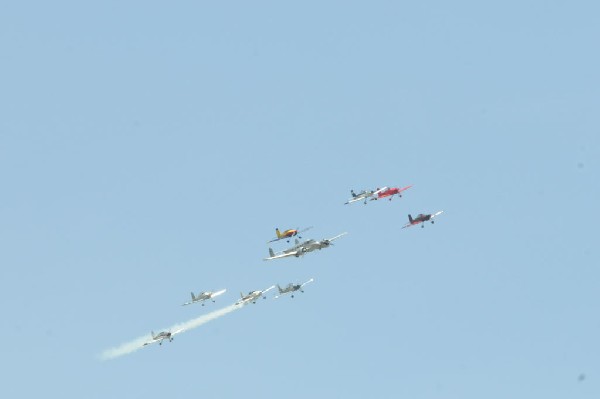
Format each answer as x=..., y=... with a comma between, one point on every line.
x=253, y=296
x=300, y=248
x=291, y=288
x=363, y=195
x=203, y=296
x=162, y=336
x=390, y=192
x=288, y=233
x=421, y=218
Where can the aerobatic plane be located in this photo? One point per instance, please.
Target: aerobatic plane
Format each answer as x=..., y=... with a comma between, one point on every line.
x=291, y=288
x=390, y=192
x=203, y=296
x=421, y=218
x=288, y=233
x=162, y=336
x=363, y=195
x=301, y=248
x=253, y=296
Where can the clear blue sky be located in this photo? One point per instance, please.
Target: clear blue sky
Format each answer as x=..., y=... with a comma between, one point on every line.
x=149, y=149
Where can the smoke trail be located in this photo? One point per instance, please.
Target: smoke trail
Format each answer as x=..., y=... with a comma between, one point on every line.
x=138, y=343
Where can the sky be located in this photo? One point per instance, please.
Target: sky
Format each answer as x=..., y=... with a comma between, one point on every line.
x=150, y=149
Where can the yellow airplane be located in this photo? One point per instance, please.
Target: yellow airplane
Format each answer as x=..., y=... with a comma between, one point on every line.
x=288, y=233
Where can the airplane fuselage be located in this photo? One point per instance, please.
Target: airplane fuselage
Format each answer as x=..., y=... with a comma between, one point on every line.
x=290, y=288
x=388, y=192
x=421, y=218
x=162, y=336
x=289, y=233
x=251, y=297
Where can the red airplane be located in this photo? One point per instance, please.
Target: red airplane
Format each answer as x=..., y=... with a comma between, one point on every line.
x=421, y=218
x=390, y=192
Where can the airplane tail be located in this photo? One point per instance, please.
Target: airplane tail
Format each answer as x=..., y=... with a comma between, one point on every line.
x=297, y=241
x=153, y=336
x=353, y=193
x=271, y=252
x=279, y=288
x=193, y=296
x=410, y=219
x=242, y=295
x=278, y=233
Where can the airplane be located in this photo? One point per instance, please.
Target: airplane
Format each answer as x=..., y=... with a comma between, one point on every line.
x=390, y=192
x=203, y=296
x=291, y=288
x=303, y=247
x=253, y=296
x=288, y=233
x=363, y=195
x=421, y=218
x=162, y=336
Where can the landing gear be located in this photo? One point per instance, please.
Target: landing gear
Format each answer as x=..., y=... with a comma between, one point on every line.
x=432, y=222
x=292, y=296
x=422, y=226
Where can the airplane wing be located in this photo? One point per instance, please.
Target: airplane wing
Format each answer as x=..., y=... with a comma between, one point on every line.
x=191, y=302
x=309, y=281
x=241, y=301
x=357, y=198
x=405, y=188
x=281, y=255
x=177, y=332
x=150, y=341
x=268, y=289
x=380, y=190
x=338, y=236
x=436, y=214
x=407, y=225
x=215, y=294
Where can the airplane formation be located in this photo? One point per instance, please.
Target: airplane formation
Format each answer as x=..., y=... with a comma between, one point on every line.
x=300, y=248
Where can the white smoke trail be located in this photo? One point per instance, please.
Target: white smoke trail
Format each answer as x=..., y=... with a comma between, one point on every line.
x=138, y=343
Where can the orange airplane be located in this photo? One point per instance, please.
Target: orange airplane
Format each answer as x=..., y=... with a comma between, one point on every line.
x=288, y=234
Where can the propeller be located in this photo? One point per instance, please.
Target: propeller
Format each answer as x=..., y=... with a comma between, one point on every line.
x=326, y=242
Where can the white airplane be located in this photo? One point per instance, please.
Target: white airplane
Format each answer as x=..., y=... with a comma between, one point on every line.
x=203, y=296
x=253, y=296
x=162, y=336
x=291, y=288
x=363, y=195
x=421, y=218
x=302, y=248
